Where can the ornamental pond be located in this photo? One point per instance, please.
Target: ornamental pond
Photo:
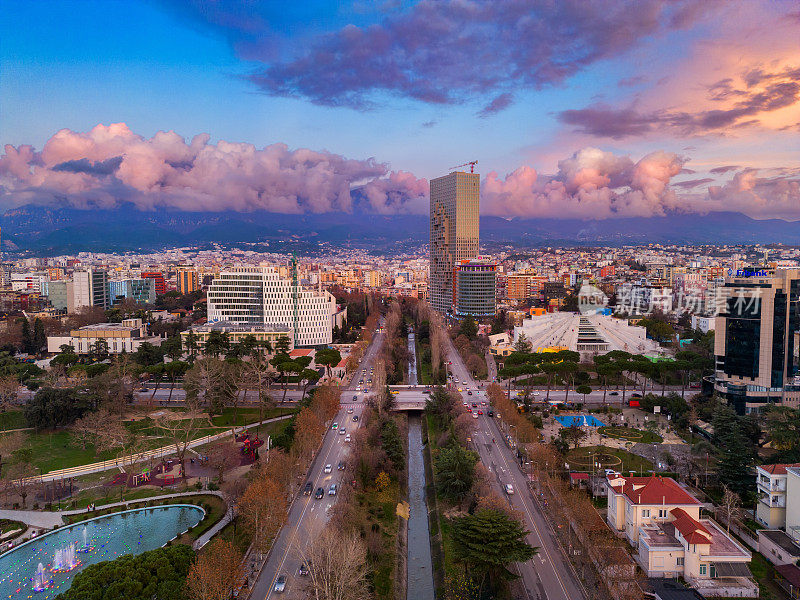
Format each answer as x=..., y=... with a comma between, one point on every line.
x=45, y=566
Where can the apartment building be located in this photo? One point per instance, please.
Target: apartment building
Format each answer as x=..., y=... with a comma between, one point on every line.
x=662, y=521
x=771, y=487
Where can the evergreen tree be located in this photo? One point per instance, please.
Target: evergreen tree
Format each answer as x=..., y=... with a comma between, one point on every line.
x=487, y=543
x=469, y=328
x=455, y=469
x=39, y=336
x=27, y=338
x=736, y=457
x=393, y=445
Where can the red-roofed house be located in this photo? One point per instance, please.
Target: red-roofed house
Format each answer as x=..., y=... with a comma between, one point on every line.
x=771, y=483
x=310, y=352
x=662, y=521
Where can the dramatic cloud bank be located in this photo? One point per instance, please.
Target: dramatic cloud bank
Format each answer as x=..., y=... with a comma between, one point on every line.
x=732, y=105
x=111, y=164
x=450, y=51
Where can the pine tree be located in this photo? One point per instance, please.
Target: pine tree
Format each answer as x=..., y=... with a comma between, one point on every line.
x=736, y=455
x=27, y=338
x=39, y=337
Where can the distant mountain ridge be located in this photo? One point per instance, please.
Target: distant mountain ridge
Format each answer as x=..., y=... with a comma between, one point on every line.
x=47, y=230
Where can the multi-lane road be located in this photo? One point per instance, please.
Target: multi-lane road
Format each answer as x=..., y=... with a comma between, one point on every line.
x=547, y=576
x=307, y=514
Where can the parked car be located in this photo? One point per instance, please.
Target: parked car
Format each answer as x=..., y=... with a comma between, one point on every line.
x=319, y=493
x=280, y=583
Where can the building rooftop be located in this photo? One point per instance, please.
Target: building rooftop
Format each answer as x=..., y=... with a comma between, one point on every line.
x=782, y=540
x=651, y=490
x=777, y=469
x=229, y=326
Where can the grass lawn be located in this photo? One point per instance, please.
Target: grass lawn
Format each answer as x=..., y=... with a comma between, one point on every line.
x=630, y=434
x=764, y=574
x=12, y=419
x=58, y=449
x=611, y=458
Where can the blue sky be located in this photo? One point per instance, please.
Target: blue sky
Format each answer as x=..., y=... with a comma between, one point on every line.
x=629, y=81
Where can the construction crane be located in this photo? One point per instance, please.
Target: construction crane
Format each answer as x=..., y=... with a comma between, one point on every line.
x=471, y=166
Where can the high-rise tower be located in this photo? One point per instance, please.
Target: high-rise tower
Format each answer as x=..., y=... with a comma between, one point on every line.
x=454, y=232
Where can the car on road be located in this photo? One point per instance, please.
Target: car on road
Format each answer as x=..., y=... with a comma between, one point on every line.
x=319, y=493
x=303, y=570
x=355, y=397
x=340, y=467
x=347, y=438
x=469, y=392
x=144, y=389
x=535, y=393
x=335, y=425
x=490, y=412
x=613, y=393
x=474, y=415
x=474, y=405
x=280, y=583
x=332, y=490
x=308, y=489
x=355, y=418
x=480, y=412
x=509, y=489
x=327, y=469
x=342, y=431
x=349, y=410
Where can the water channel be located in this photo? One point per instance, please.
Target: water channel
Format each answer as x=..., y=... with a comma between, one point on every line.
x=420, y=566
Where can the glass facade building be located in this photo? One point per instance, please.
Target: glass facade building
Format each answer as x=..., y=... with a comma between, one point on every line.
x=755, y=337
x=454, y=205
x=474, y=289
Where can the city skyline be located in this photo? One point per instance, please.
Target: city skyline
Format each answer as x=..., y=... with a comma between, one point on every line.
x=653, y=109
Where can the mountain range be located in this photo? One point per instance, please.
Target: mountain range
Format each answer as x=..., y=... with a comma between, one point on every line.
x=43, y=230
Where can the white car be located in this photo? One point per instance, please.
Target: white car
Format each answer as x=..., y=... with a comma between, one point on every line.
x=332, y=490
x=342, y=431
x=349, y=410
x=509, y=489
x=327, y=469
x=347, y=438
x=474, y=415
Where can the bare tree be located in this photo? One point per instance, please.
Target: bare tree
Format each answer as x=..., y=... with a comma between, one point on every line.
x=263, y=507
x=181, y=431
x=222, y=457
x=216, y=572
x=730, y=507
x=337, y=564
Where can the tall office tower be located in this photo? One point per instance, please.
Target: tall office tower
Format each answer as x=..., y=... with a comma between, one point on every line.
x=260, y=296
x=755, y=339
x=454, y=232
x=187, y=279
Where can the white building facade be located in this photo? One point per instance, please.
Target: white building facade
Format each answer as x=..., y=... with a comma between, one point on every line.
x=259, y=295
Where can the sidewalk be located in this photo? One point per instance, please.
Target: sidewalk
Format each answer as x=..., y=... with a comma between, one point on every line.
x=157, y=452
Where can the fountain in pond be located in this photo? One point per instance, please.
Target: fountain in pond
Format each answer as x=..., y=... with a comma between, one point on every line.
x=86, y=547
x=65, y=560
x=41, y=582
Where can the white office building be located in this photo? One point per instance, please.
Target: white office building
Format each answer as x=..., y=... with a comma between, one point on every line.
x=259, y=295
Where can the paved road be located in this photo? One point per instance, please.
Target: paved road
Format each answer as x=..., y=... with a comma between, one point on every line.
x=307, y=515
x=547, y=576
